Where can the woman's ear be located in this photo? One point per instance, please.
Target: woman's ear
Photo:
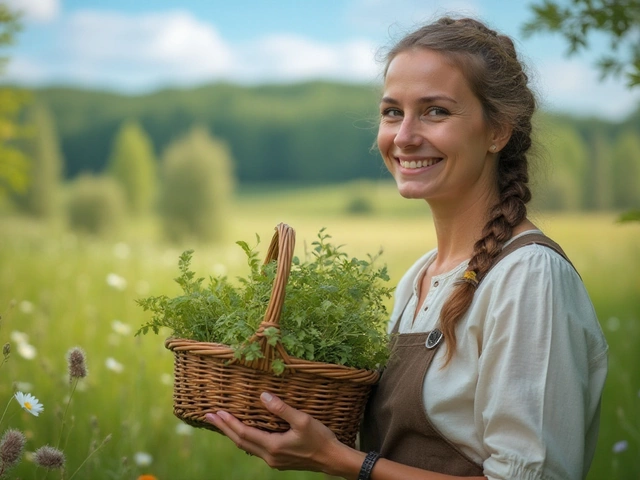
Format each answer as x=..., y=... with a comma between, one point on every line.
x=500, y=138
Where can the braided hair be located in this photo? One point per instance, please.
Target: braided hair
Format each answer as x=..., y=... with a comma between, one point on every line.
x=496, y=76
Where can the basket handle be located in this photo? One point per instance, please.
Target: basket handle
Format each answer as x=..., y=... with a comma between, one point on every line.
x=281, y=249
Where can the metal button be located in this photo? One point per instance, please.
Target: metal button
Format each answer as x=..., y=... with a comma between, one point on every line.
x=433, y=338
x=436, y=283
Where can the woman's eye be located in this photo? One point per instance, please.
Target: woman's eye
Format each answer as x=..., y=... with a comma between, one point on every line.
x=436, y=111
x=391, y=112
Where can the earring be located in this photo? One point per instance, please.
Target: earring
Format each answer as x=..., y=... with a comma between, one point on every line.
x=493, y=148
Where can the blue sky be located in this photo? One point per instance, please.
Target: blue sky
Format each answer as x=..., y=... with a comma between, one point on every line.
x=136, y=46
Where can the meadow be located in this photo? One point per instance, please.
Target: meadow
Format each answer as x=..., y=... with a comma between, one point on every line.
x=59, y=290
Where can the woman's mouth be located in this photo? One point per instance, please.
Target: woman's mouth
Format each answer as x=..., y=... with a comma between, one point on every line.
x=411, y=164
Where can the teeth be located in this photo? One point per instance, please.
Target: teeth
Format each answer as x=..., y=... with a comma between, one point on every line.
x=419, y=163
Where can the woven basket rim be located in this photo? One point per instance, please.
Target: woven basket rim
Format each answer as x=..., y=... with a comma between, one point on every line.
x=321, y=369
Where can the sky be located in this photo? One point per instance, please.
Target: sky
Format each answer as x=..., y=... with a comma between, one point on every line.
x=139, y=46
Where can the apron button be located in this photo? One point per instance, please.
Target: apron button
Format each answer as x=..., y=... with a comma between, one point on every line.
x=433, y=338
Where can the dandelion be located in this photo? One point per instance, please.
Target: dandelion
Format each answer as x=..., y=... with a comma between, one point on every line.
x=27, y=351
x=142, y=459
x=49, y=458
x=116, y=281
x=29, y=403
x=121, y=328
x=620, y=446
x=11, y=447
x=77, y=364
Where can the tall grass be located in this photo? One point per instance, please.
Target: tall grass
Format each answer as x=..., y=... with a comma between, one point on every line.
x=64, y=290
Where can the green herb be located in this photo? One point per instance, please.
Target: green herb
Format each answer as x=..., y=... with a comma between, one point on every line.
x=334, y=309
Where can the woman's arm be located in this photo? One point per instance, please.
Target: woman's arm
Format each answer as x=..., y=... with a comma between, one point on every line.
x=309, y=445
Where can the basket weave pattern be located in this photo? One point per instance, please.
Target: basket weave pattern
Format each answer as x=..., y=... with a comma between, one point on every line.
x=208, y=378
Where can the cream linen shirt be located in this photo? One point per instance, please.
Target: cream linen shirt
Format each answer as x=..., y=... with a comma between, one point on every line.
x=522, y=393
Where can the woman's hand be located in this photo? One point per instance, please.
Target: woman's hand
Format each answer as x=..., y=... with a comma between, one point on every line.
x=308, y=445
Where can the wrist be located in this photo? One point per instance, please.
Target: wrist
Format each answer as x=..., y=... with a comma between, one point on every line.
x=367, y=465
x=343, y=461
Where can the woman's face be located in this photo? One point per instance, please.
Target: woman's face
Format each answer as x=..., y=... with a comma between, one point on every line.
x=432, y=134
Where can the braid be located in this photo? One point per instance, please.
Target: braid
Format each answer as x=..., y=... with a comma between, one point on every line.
x=496, y=76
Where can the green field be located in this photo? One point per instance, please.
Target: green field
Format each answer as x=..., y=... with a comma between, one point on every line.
x=64, y=290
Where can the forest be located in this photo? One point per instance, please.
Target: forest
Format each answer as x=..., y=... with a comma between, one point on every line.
x=319, y=132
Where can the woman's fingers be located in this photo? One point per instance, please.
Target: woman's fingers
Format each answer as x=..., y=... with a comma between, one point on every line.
x=247, y=438
x=276, y=406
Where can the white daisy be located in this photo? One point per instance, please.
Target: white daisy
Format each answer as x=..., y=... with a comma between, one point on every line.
x=29, y=403
x=114, y=365
x=116, y=281
x=121, y=327
x=142, y=459
x=27, y=351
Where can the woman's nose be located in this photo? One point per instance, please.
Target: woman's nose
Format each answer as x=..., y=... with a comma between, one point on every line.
x=408, y=134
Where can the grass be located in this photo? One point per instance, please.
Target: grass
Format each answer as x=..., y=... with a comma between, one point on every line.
x=54, y=288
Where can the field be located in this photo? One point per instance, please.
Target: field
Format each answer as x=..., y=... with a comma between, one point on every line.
x=64, y=290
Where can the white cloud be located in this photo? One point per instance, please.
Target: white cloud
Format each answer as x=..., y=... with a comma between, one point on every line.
x=575, y=85
x=290, y=57
x=38, y=11
x=169, y=46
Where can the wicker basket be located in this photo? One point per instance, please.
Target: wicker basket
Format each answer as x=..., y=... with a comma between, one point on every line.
x=208, y=378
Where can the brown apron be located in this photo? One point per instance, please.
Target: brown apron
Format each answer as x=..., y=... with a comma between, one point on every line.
x=396, y=423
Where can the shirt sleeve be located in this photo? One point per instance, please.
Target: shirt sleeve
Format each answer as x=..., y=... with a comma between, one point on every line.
x=541, y=369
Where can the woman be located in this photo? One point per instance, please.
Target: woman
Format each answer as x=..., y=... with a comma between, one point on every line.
x=498, y=368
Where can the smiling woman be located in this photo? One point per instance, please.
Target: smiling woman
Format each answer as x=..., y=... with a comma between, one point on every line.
x=515, y=391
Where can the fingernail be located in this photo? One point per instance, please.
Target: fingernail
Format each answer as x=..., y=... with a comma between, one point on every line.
x=210, y=417
x=266, y=397
x=222, y=414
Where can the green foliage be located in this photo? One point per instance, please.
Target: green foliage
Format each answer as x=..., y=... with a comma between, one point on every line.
x=197, y=181
x=618, y=20
x=562, y=188
x=95, y=205
x=133, y=164
x=630, y=216
x=626, y=169
x=14, y=164
x=42, y=195
x=334, y=309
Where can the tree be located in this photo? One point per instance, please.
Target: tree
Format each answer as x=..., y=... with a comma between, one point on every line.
x=626, y=170
x=133, y=164
x=41, y=197
x=197, y=181
x=563, y=187
x=618, y=20
x=14, y=164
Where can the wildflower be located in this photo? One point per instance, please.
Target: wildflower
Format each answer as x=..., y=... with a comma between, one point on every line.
x=27, y=351
x=183, y=429
x=147, y=476
x=113, y=365
x=6, y=350
x=29, y=403
x=26, y=307
x=116, y=281
x=49, y=458
x=166, y=379
x=142, y=459
x=620, y=446
x=121, y=327
x=19, y=337
x=76, y=362
x=11, y=447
